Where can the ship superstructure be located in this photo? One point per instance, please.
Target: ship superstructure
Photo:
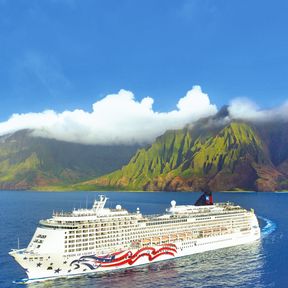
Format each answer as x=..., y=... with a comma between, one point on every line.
x=102, y=239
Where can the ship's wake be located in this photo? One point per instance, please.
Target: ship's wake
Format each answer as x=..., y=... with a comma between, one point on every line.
x=268, y=228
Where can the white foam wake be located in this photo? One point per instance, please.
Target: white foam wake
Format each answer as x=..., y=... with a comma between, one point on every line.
x=269, y=227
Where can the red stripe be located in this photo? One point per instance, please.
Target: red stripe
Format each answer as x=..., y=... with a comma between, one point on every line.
x=139, y=254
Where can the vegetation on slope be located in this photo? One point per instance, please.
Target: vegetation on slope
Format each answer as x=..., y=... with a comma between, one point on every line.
x=223, y=154
x=227, y=157
x=27, y=162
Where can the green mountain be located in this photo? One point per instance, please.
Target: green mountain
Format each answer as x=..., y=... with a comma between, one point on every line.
x=226, y=156
x=28, y=162
x=223, y=154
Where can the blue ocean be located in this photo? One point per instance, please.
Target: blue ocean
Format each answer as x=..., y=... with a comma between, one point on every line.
x=261, y=264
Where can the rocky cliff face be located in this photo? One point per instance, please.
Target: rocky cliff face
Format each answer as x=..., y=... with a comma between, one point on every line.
x=226, y=155
x=223, y=154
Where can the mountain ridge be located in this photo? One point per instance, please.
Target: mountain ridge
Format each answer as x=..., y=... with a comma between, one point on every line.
x=27, y=162
x=232, y=156
x=223, y=154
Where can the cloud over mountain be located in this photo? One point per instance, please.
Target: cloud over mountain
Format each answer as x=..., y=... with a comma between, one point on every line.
x=117, y=118
x=122, y=119
x=243, y=108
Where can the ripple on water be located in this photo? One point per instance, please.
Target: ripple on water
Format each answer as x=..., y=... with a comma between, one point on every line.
x=254, y=265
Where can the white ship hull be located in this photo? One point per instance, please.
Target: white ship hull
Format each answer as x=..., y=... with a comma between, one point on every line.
x=63, y=266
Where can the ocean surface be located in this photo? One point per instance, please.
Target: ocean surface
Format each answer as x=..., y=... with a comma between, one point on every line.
x=261, y=264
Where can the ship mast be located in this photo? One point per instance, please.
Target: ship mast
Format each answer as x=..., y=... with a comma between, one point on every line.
x=99, y=204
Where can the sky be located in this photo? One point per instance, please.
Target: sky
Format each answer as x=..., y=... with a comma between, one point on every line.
x=68, y=55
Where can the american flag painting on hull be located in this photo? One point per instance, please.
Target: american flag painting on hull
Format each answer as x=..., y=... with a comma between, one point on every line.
x=121, y=258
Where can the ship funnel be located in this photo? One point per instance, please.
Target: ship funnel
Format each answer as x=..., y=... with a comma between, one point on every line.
x=206, y=198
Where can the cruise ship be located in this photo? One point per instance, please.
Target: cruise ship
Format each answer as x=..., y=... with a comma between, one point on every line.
x=102, y=239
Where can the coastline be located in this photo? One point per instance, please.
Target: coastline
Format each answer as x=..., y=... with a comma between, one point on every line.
x=137, y=191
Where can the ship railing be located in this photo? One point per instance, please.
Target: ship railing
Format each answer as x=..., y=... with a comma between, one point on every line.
x=225, y=203
x=153, y=215
x=69, y=214
x=58, y=225
x=74, y=224
x=19, y=251
x=62, y=214
x=229, y=204
x=185, y=215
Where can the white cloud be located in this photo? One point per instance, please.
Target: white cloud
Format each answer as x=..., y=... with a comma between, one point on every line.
x=243, y=108
x=117, y=118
